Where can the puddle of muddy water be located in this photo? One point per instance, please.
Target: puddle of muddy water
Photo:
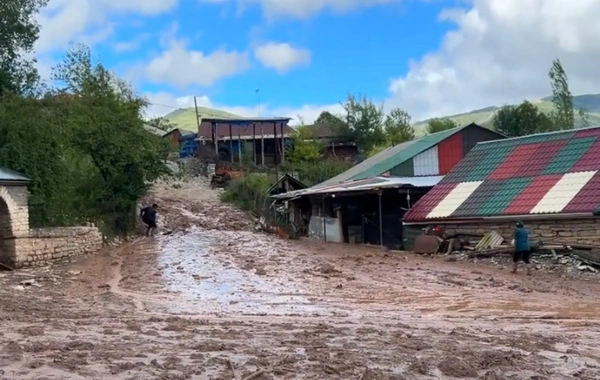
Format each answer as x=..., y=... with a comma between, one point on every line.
x=207, y=283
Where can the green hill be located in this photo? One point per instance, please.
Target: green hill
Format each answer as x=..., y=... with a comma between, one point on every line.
x=590, y=102
x=185, y=118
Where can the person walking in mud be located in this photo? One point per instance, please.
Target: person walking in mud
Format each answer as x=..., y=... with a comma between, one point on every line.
x=522, y=248
x=148, y=215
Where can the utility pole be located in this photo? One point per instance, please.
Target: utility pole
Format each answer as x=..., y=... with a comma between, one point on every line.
x=258, y=101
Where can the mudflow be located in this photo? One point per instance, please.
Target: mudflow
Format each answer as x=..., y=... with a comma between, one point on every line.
x=215, y=299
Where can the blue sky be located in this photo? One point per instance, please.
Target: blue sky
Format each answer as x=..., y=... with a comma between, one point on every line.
x=430, y=57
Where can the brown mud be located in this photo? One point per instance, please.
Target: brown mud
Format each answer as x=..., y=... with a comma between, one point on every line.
x=214, y=299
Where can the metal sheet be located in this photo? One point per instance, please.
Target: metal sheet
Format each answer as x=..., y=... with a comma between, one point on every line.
x=364, y=185
x=426, y=163
x=450, y=152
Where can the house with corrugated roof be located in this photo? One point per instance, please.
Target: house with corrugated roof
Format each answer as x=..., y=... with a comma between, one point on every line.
x=549, y=181
x=366, y=203
x=265, y=138
x=431, y=155
x=334, y=146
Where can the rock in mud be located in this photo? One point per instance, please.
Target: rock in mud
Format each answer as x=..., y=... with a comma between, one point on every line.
x=457, y=367
x=32, y=331
x=328, y=269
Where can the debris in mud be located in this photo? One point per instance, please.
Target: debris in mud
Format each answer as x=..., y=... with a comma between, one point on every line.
x=31, y=331
x=456, y=367
x=420, y=366
x=28, y=282
x=326, y=268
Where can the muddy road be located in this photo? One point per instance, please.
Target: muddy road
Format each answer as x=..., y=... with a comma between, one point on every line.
x=217, y=300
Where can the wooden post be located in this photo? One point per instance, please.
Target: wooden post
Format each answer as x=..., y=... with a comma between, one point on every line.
x=380, y=221
x=230, y=143
x=215, y=139
x=197, y=122
x=276, y=146
x=254, y=143
x=262, y=143
x=282, y=145
x=239, y=146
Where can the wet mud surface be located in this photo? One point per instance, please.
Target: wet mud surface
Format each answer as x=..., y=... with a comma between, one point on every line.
x=214, y=299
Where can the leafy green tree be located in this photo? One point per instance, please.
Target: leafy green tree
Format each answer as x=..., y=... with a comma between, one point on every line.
x=306, y=149
x=162, y=124
x=398, y=128
x=364, y=123
x=105, y=119
x=524, y=119
x=440, y=124
x=18, y=33
x=563, y=115
x=584, y=116
x=327, y=118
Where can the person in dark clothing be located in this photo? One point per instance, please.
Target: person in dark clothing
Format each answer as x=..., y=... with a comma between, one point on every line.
x=522, y=248
x=148, y=215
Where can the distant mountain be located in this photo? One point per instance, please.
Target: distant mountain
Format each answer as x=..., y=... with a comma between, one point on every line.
x=185, y=118
x=484, y=116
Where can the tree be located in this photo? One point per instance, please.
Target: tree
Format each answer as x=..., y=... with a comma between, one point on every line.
x=440, y=124
x=585, y=118
x=364, y=123
x=306, y=149
x=162, y=124
x=18, y=33
x=563, y=115
x=524, y=119
x=397, y=127
x=105, y=118
x=327, y=118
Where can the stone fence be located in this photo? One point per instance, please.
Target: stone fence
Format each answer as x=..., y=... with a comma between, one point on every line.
x=45, y=245
x=569, y=231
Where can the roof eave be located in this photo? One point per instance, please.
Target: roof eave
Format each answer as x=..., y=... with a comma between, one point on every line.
x=502, y=218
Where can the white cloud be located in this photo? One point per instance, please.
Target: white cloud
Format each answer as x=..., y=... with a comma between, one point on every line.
x=163, y=103
x=131, y=45
x=304, y=8
x=63, y=21
x=500, y=52
x=183, y=68
x=282, y=57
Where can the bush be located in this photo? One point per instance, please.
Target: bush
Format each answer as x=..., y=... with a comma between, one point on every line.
x=249, y=192
x=317, y=172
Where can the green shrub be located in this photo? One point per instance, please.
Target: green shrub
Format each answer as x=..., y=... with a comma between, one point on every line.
x=248, y=192
x=316, y=172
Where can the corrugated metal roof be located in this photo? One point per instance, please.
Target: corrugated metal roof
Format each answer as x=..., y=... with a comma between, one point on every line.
x=154, y=130
x=394, y=156
x=7, y=175
x=364, y=185
x=247, y=120
x=547, y=173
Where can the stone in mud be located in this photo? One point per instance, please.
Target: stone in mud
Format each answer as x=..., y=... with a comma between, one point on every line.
x=491, y=375
x=32, y=331
x=457, y=367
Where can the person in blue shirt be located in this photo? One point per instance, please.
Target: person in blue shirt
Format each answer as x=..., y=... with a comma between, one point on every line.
x=522, y=248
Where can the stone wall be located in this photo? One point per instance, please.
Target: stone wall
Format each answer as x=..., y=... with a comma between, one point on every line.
x=569, y=231
x=45, y=245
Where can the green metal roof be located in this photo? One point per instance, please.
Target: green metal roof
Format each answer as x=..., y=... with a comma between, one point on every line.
x=392, y=157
